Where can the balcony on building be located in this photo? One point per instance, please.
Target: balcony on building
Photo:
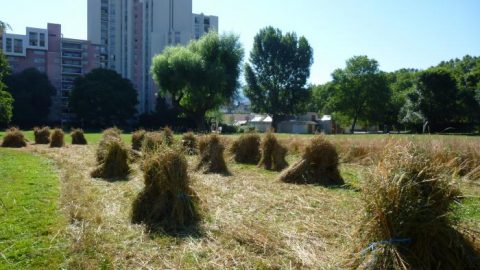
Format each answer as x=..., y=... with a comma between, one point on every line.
x=74, y=46
x=73, y=55
x=72, y=70
x=71, y=63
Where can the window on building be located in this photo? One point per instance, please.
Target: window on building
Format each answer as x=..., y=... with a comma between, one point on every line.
x=76, y=46
x=39, y=52
x=39, y=60
x=177, y=37
x=33, y=38
x=206, y=21
x=17, y=46
x=8, y=45
x=72, y=70
x=72, y=54
x=42, y=40
x=72, y=62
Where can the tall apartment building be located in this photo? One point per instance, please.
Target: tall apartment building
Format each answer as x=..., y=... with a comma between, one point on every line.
x=62, y=59
x=134, y=31
x=203, y=24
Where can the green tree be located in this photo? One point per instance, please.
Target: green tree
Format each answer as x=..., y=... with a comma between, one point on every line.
x=436, y=97
x=32, y=93
x=103, y=98
x=201, y=76
x=466, y=72
x=277, y=74
x=401, y=83
x=320, y=100
x=6, y=100
x=6, y=107
x=361, y=91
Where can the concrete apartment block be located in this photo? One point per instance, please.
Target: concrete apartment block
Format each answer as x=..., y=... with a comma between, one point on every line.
x=62, y=59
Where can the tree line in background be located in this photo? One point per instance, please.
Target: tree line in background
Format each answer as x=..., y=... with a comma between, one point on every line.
x=198, y=79
x=442, y=98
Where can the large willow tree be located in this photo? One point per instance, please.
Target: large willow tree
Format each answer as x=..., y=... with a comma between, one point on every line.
x=200, y=77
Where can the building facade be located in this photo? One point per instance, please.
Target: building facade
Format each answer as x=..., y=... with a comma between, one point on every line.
x=134, y=31
x=61, y=59
x=203, y=24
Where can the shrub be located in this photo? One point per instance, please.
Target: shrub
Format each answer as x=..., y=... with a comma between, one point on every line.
x=211, y=155
x=228, y=129
x=273, y=154
x=42, y=135
x=57, y=138
x=167, y=200
x=189, y=143
x=78, y=137
x=319, y=165
x=114, y=162
x=14, y=138
x=137, y=139
x=407, y=223
x=246, y=149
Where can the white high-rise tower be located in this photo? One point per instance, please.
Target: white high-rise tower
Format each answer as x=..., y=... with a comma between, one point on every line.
x=132, y=32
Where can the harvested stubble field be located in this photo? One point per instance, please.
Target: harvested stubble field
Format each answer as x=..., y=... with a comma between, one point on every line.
x=251, y=220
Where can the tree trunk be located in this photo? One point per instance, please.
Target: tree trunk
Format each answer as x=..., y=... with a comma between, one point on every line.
x=199, y=119
x=275, y=120
x=353, y=124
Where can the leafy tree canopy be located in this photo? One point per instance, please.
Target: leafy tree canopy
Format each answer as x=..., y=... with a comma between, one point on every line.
x=361, y=91
x=6, y=107
x=103, y=98
x=435, y=96
x=277, y=73
x=32, y=92
x=320, y=98
x=6, y=100
x=201, y=76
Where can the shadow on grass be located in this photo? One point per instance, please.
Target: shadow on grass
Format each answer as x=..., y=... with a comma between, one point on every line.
x=346, y=186
x=224, y=174
x=176, y=213
x=158, y=230
x=110, y=179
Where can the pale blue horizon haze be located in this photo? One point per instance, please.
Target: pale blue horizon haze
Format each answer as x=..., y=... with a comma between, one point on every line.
x=398, y=34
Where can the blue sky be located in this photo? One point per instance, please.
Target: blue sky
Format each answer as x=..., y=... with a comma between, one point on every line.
x=398, y=34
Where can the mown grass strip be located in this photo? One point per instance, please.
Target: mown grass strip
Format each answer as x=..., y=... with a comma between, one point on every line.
x=31, y=224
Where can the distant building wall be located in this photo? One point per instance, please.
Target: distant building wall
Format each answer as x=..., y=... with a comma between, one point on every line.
x=203, y=24
x=61, y=59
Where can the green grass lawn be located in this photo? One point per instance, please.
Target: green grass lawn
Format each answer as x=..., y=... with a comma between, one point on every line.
x=31, y=224
x=92, y=138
